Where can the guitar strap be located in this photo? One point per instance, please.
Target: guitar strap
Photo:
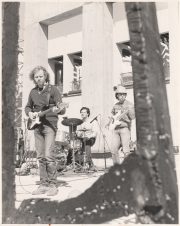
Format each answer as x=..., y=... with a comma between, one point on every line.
x=48, y=94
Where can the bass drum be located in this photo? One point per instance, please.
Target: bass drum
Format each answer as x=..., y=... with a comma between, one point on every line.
x=61, y=154
x=62, y=137
x=76, y=144
x=61, y=161
x=78, y=155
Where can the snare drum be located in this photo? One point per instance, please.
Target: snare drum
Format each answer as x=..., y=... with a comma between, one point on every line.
x=62, y=137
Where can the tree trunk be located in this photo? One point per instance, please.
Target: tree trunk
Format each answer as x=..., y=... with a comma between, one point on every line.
x=146, y=182
x=153, y=123
x=9, y=75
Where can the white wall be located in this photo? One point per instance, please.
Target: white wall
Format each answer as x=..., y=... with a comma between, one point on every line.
x=46, y=10
x=65, y=37
x=121, y=33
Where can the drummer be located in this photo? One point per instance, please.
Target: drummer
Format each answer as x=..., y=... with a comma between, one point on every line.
x=88, y=132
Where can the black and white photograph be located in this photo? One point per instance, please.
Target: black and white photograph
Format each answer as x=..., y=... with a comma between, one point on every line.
x=90, y=112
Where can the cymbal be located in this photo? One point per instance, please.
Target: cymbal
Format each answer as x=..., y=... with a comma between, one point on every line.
x=62, y=143
x=72, y=122
x=83, y=130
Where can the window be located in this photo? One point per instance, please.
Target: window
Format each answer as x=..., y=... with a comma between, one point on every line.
x=125, y=50
x=56, y=65
x=76, y=59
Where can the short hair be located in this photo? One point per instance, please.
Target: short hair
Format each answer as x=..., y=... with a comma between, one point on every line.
x=87, y=109
x=36, y=69
x=116, y=95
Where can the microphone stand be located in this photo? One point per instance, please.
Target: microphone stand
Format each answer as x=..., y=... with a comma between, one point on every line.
x=105, y=141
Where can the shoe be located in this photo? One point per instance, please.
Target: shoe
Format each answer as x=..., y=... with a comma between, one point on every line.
x=42, y=189
x=93, y=168
x=52, y=190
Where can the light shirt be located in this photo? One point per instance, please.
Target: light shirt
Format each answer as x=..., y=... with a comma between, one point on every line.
x=128, y=117
x=90, y=129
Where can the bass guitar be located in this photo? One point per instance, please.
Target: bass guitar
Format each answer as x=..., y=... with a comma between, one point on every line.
x=32, y=123
x=115, y=120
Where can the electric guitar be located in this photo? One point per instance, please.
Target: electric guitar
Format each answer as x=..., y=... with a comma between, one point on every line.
x=115, y=120
x=31, y=123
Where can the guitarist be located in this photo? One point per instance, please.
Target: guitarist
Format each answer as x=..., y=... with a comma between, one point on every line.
x=121, y=134
x=42, y=97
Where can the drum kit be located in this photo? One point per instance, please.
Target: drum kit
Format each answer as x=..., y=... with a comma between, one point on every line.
x=75, y=156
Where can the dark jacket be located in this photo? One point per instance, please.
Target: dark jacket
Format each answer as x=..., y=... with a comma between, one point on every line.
x=39, y=102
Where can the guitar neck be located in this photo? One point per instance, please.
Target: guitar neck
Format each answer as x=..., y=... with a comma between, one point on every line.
x=59, y=105
x=120, y=116
x=41, y=114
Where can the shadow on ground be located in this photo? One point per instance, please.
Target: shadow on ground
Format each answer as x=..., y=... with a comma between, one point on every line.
x=125, y=189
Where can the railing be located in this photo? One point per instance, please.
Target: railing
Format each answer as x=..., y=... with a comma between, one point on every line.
x=75, y=87
x=127, y=78
x=60, y=87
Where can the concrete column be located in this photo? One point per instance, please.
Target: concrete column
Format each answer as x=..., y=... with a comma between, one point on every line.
x=97, y=88
x=117, y=65
x=97, y=57
x=35, y=52
x=174, y=96
x=67, y=74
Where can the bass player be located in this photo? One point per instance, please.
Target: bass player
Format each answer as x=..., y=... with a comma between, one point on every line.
x=120, y=122
x=42, y=97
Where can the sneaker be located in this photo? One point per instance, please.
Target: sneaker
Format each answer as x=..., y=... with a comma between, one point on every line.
x=52, y=190
x=42, y=189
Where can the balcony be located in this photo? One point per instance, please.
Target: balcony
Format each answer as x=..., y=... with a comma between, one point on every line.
x=127, y=78
x=59, y=87
x=75, y=87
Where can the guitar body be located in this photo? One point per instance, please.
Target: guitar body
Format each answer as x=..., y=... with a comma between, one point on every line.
x=112, y=126
x=115, y=120
x=32, y=123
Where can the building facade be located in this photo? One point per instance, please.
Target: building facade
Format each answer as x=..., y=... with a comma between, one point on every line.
x=85, y=47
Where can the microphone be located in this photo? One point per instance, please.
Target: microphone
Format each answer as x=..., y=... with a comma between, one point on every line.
x=94, y=118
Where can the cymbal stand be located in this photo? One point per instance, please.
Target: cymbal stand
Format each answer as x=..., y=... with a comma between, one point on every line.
x=72, y=136
x=84, y=154
x=104, y=143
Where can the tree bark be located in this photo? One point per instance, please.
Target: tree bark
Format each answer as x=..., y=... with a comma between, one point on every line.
x=146, y=182
x=9, y=75
x=154, y=138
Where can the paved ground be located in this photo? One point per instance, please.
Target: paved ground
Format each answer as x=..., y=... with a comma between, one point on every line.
x=71, y=185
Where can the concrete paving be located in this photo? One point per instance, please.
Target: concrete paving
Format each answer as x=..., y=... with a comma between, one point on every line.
x=72, y=185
